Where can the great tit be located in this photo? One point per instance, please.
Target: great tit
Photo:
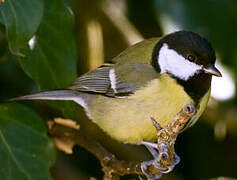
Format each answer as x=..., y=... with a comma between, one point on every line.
x=153, y=78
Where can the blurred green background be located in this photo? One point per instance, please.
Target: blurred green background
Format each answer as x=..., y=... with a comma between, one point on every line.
x=47, y=44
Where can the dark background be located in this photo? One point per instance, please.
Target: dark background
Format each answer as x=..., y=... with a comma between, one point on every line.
x=104, y=28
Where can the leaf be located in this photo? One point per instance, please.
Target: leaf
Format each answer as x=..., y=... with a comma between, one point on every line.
x=25, y=150
x=51, y=58
x=21, y=19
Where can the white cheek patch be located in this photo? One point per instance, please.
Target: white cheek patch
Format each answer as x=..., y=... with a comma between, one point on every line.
x=170, y=61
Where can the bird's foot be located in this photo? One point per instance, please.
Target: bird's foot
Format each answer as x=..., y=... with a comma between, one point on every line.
x=156, y=164
x=161, y=160
x=164, y=160
x=145, y=166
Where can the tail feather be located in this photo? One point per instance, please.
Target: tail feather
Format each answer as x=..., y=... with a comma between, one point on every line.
x=76, y=96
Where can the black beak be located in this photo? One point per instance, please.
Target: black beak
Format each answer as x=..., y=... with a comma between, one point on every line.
x=213, y=71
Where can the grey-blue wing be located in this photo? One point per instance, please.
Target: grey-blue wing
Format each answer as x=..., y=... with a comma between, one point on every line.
x=111, y=80
x=102, y=80
x=96, y=81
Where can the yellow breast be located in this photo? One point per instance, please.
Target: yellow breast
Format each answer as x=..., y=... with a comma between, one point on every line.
x=129, y=119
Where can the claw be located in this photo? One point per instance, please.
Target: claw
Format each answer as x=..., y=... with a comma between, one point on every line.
x=144, y=166
x=167, y=169
x=152, y=147
x=157, y=166
x=177, y=159
x=163, y=170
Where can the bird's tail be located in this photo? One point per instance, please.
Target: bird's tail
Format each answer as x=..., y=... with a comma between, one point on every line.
x=78, y=97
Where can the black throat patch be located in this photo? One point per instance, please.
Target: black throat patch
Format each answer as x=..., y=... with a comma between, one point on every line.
x=197, y=86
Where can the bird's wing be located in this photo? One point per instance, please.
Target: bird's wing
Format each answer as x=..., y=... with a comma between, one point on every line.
x=115, y=79
x=96, y=81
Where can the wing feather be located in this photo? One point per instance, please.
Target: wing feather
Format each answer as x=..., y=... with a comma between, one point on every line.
x=115, y=80
x=96, y=81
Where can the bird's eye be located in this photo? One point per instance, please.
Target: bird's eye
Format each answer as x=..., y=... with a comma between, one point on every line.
x=191, y=57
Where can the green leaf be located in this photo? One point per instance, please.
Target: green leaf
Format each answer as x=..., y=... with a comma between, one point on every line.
x=51, y=58
x=21, y=19
x=25, y=150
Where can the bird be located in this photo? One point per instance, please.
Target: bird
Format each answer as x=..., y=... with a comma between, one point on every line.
x=154, y=78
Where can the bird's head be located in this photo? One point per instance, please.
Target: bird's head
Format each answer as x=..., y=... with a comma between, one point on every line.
x=184, y=54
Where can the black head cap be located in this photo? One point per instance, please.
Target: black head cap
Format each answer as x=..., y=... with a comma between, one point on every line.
x=190, y=45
